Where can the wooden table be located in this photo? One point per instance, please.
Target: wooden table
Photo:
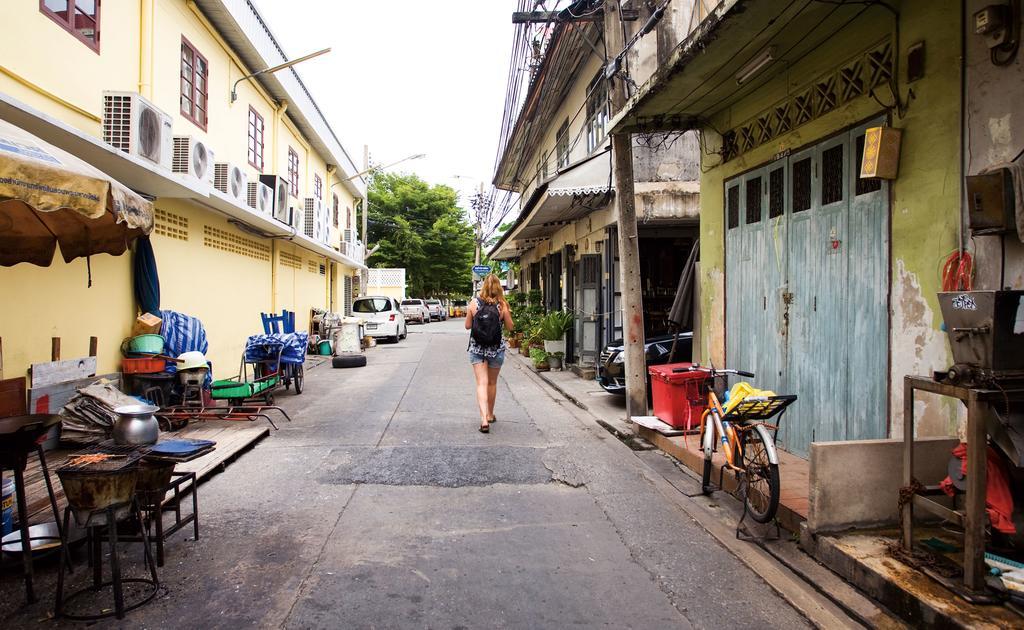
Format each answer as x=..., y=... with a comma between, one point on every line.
x=973, y=517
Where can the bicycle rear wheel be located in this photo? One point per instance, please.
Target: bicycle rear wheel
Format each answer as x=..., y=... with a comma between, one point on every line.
x=762, y=496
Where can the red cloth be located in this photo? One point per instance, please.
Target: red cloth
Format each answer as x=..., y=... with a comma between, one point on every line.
x=998, y=500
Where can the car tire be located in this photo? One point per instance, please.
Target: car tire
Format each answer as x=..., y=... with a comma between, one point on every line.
x=348, y=360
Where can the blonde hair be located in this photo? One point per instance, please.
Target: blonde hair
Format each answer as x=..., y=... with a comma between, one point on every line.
x=491, y=291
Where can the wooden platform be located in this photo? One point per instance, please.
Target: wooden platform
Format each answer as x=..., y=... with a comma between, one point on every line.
x=232, y=439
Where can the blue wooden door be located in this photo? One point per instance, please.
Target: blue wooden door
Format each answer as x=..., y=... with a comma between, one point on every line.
x=806, y=289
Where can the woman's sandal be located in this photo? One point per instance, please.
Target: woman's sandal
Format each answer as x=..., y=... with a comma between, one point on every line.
x=492, y=420
x=485, y=428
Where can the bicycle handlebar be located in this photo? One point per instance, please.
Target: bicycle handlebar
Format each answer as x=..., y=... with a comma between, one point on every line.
x=713, y=371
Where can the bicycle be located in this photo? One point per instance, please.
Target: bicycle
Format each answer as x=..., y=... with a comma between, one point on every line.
x=747, y=442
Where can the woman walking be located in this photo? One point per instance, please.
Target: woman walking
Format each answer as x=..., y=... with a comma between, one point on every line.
x=485, y=317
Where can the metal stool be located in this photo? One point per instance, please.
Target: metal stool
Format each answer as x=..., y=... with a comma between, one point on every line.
x=95, y=521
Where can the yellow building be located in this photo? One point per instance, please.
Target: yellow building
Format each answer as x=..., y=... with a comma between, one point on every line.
x=165, y=81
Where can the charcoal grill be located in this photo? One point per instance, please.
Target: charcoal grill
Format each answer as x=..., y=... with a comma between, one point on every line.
x=94, y=486
x=101, y=491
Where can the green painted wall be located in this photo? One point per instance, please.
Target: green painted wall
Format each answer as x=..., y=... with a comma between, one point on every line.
x=925, y=196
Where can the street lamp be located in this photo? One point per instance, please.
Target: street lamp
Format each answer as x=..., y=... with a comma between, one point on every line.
x=361, y=173
x=272, y=70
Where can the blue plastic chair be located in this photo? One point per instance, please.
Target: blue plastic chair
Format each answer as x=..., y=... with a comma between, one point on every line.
x=278, y=324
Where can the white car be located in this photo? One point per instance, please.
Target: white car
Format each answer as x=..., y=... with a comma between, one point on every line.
x=416, y=310
x=437, y=310
x=383, y=316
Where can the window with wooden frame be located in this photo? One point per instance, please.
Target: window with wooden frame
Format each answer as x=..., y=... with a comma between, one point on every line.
x=334, y=210
x=348, y=218
x=255, y=139
x=562, y=145
x=195, y=73
x=597, y=112
x=81, y=18
x=318, y=187
x=293, y=172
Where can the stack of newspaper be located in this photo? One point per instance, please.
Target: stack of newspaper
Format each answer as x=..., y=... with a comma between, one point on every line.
x=89, y=416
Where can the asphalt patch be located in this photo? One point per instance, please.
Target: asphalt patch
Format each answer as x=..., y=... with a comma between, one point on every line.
x=442, y=466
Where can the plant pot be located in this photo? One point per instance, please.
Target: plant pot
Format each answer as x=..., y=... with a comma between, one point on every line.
x=552, y=347
x=524, y=350
x=513, y=342
x=543, y=366
x=555, y=363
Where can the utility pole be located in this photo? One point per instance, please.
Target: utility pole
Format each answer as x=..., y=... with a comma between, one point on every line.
x=629, y=251
x=479, y=205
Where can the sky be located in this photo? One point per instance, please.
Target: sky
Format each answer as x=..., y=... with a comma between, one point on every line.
x=406, y=77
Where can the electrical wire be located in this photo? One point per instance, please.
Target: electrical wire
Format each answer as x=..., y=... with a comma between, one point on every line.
x=958, y=271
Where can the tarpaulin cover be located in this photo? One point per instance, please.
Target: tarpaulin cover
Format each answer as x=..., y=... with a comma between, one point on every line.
x=145, y=278
x=182, y=333
x=998, y=498
x=264, y=347
x=48, y=196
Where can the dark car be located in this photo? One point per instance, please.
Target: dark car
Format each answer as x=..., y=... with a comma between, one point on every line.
x=610, y=369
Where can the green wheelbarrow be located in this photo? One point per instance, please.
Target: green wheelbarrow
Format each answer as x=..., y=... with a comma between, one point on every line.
x=266, y=377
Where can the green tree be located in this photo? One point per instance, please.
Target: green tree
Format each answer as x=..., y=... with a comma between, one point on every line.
x=420, y=228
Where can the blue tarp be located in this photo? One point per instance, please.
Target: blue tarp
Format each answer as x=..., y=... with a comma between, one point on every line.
x=145, y=278
x=182, y=333
x=264, y=347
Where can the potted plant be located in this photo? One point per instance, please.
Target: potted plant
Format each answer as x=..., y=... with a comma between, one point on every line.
x=555, y=360
x=540, y=359
x=553, y=329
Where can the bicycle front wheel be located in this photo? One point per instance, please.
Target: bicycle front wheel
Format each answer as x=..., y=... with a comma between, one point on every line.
x=762, y=476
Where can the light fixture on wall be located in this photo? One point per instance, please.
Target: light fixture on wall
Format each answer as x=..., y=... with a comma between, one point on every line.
x=755, y=65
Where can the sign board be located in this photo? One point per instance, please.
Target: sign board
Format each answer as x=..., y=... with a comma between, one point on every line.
x=479, y=271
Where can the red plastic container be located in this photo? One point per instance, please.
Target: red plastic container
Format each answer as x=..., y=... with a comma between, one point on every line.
x=143, y=366
x=677, y=396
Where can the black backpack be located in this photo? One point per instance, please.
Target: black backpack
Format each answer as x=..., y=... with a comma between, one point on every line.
x=486, y=329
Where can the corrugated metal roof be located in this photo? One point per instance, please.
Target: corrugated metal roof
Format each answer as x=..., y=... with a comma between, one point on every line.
x=244, y=29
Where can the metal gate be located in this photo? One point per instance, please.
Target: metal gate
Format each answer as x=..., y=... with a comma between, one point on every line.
x=612, y=295
x=553, y=283
x=588, y=323
x=807, y=289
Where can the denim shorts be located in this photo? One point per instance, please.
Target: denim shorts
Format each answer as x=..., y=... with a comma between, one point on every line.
x=492, y=362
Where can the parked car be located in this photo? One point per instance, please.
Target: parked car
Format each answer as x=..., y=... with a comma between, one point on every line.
x=437, y=310
x=611, y=373
x=416, y=310
x=383, y=315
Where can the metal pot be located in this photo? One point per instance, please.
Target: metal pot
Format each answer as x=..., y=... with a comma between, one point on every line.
x=136, y=425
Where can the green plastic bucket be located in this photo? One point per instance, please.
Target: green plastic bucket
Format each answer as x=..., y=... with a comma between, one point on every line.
x=325, y=348
x=146, y=344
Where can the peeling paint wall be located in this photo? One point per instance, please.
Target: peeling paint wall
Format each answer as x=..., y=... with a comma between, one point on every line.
x=994, y=126
x=666, y=157
x=925, y=205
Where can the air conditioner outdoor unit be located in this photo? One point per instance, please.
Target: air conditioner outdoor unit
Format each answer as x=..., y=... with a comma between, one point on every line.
x=134, y=125
x=296, y=218
x=192, y=157
x=313, y=223
x=280, y=188
x=325, y=233
x=230, y=180
x=261, y=198
x=348, y=236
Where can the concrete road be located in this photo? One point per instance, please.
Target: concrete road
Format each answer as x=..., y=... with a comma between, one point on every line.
x=382, y=506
